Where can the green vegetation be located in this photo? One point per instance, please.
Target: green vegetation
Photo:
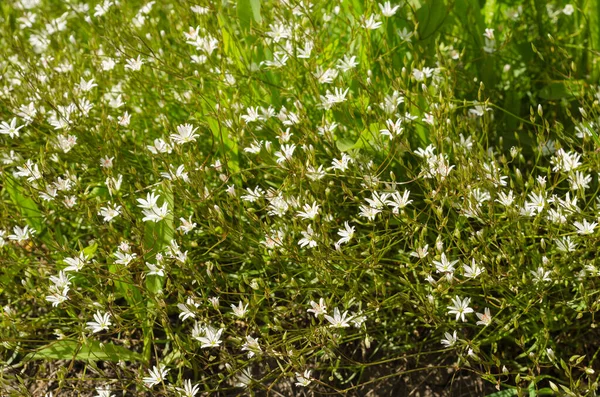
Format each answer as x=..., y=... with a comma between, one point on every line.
x=299, y=198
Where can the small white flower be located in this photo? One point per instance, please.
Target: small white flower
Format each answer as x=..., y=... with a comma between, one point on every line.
x=372, y=22
x=338, y=320
x=185, y=134
x=101, y=323
x=303, y=379
x=540, y=275
x=110, y=212
x=585, y=227
x=75, y=264
x=155, y=270
x=309, y=211
x=211, y=338
x=568, y=10
x=450, y=339
x=473, y=271
x=21, y=234
x=134, y=64
x=444, y=265
x=485, y=319
x=188, y=389
x=460, y=307
x=156, y=375
x=10, y=129
x=186, y=225
x=240, y=310
x=318, y=308
x=346, y=234
x=251, y=346
x=387, y=10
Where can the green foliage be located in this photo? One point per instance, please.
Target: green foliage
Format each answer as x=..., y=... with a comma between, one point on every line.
x=292, y=197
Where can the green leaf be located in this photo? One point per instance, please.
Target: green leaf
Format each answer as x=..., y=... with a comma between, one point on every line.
x=90, y=250
x=124, y=285
x=344, y=144
x=562, y=89
x=248, y=11
x=228, y=145
x=431, y=16
x=592, y=11
x=158, y=235
x=504, y=393
x=26, y=206
x=90, y=351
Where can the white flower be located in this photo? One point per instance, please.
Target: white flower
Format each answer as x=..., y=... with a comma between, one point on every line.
x=347, y=63
x=188, y=389
x=19, y=235
x=156, y=213
x=387, y=10
x=124, y=258
x=473, y=271
x=584, y=228
x=75, y=264
x=186, y=225
x=243, y=378
x=450, y=339
x=345, y=234
x=372, y=22
x=155, y=270
x=156, y=375
x=565, y=244
x=318, y=308
x=460, y=307
x=10, y=129
x=286, y=153
x=211, y=338
x=57, y=296
x=310, y=211
x=314, y=174
x=240, y=310
x=253, y=195
x=30, y=170
x=134, y=64
x=485, y=319
x=101, y=323
x=540, y=275
x=580, y=181
x=343, y=163
x=303, y=379
x=308, y=238
x=251, y=346
x=251, y=115
x=338, y=320
x=565, y=161
x=109, y=213
x=568, y=10
x=86, y=86
x=444, y=265
x=186, y=309
x=160, y=146
x=149, y=202
x=404, y=34
x=398, y=201
x=185, y=134
x=506, y=199
x=394, y=128
x=104, y=391
x=537, y=202
x=420, y=252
